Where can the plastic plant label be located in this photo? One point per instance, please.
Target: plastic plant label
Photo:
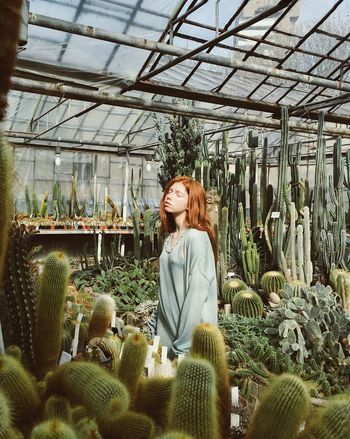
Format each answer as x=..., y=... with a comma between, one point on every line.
x=150, y=368
x=275, y=214
x=75, y=341
x=119, y=329
x=64, y=358
x=227, y=308
x=164, y=354
x=234, y=420
x=234, y=396
x=113, y=319
x=156, y=343
x=180, y=358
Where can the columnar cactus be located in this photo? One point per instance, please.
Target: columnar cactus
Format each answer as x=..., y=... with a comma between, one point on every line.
x=53, y=429
x=284, y=405
x=89, y=385
x=136, y=232
x=6, y=204
x=20, y=292
x=208, y=343
x=272, y=281
x=231, y=287
x=5, y=415
x=193, y=401
x=50, y=308
x=153, y=396
x=110, y=346
x=132, y=362
x=251, y=262
x=131, y=425
x=224, y=234
x=57, y=407
x=101, y=316
x=148, y=234
x=19, y=389
x=247, y=303
x=87, y=429
x=332, y=421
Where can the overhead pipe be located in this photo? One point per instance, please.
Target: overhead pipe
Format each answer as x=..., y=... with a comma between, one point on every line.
x=170, y=49
x=161, y=107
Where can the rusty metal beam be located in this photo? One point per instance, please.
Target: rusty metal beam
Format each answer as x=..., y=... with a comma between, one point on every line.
x=161, y=107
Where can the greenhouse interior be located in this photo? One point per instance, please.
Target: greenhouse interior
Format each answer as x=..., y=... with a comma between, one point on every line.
x=175, y=219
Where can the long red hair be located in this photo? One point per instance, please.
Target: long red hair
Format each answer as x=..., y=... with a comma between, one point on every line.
x=197, y=215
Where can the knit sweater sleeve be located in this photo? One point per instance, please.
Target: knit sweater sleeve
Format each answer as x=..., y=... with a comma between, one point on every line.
x=200, y=285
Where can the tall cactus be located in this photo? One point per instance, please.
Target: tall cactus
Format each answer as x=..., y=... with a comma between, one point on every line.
x=132, y=362
x=263, y=181
x=284, y=405
x=193, y=401
x=136, y=233
x=6, y=205
x=208, y=343
x=19, y=293
x=148, y=234
x=101, y=317
x=50, y=306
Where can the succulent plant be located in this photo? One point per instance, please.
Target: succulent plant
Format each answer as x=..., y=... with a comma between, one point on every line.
x=231, y=287
x=272, y=281
x=53, y=429
x=247, y=303
x=314, y=321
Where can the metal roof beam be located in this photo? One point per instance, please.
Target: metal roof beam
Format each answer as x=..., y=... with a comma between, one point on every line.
x=161, y=107
x=141, y=43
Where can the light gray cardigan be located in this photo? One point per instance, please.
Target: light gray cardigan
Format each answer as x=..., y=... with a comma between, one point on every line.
x=187, y=290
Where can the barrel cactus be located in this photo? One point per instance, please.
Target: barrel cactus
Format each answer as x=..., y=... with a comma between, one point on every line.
x=272, y=281
x=231, y=287
x=53, y=429
x=247, y=303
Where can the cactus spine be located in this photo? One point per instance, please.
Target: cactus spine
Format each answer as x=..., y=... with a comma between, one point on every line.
x=193, y=401
x=49, y=327
x=283, y=407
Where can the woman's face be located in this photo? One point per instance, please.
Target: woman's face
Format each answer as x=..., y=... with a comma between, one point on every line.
x=176, y=199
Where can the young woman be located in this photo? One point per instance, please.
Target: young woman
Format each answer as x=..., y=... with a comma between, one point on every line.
x=188, y=285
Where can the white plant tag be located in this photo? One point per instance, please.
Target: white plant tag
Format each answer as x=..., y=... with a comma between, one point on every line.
x=180, y=358
x=119, y=329
x=150, y=368
x=227, y=308
x=156, y=343
x=234, y=396
x=164, y=354
x=275, y=214
x=75, y=341
x=64, y=358
x=234, y=420
x=113, y=320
